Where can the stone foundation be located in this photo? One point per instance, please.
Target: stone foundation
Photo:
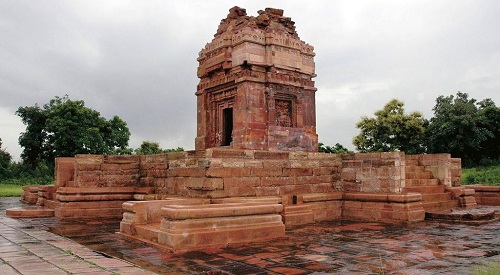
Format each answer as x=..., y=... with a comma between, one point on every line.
x=154, y=193
x=486, y=195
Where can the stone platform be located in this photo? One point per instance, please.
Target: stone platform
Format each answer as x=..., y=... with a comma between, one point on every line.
x=322, y=248
x=296, y=188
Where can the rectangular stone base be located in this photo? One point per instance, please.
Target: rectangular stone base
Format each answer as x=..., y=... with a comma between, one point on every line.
x=181, y=225
x=486, y=195
x=392, y=208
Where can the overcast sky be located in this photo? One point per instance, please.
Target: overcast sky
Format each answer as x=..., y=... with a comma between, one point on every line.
x=137, y=59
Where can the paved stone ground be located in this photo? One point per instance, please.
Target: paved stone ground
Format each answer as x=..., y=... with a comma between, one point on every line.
x=25, y=249
x=333, y=247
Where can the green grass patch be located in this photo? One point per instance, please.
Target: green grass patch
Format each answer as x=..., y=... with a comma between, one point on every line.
x=491, y=268
x=10, y=190
x=482, y=175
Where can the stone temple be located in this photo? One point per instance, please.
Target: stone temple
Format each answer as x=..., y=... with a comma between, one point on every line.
x=256, y=169
x=256, y=89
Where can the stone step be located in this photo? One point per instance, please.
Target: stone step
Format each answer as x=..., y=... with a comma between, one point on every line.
x=472, y=216
x=436, y=197
x=421, y=182
x=418, y=175
x=29, y=212
x=439, y=206
x=425, y=189
x=148, y=232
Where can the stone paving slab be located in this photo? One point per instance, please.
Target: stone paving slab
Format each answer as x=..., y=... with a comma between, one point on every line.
x=324, y=248
x=25, y=249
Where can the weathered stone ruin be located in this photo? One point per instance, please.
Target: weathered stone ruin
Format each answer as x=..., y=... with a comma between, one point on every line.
x=256, y=169
x=256, y=89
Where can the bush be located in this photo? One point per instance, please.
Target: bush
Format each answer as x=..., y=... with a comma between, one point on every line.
x=21, y=174
x=482, y=175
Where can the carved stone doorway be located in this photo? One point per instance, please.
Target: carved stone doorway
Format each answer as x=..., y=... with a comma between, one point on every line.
x=227, y=126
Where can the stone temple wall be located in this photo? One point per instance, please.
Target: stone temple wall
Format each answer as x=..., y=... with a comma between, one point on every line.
x=222, y=173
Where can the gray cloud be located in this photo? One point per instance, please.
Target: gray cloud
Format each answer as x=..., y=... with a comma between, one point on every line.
x=137, y=59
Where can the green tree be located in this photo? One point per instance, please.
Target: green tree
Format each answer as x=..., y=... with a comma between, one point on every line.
x=5, y=162
x=64, y=128
x=391, y=130
x=148, y=148
x=178, y=149
x=465, y=128
x=336, y=149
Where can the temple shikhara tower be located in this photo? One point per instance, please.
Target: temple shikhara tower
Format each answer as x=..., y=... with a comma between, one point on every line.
x=256, y=89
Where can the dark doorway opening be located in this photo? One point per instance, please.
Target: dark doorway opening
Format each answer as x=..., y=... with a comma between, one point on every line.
x=227, y=126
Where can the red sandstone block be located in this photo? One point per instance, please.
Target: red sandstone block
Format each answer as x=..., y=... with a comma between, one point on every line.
x=88, y=167
x=276, y=163
x=325, y=171
x=242, y=181
x=228, y=172
x=88, y=159
x=378, y=197
x=304, y=163
x=186, y=172
x=266, y=191
x=183, y=212
x=271, y=155
x=121, y=159
x=393, y=155
x=88, y=177
x=207, y=184
x=321, y=156
x=227, y=230
x=232, y=162
x=267, y=172
x=227, y=153
x=129, y=166
x=298, y=155
x=316, y=197
x=293, y=172
x=234, y=191
x=348, y=174
x=276, y=181
x=312, y=179
x=495, y=201
x=329, y=163
x=253, y=163
x=294, y=189
x=352, y=164
x=110, y=167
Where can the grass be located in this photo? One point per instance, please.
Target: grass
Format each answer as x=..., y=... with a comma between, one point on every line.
x=490, y=268
x=482, y=175
x=10, y=190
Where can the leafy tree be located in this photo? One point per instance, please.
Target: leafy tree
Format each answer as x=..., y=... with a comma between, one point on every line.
x=65, y=128
x=391, y=130
x=5, y=162
x=148, y=148
x=465, y=128
x=336, y=149
x=178, y=149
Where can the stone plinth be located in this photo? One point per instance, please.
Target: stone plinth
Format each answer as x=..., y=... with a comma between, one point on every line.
x=215, y=225
x=486, y=195
x=92, y=202
x=181, y=225
x=387, y=208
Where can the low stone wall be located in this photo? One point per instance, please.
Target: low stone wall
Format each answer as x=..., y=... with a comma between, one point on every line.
x=105, y=171
x=486, y=195
x=387, y=208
